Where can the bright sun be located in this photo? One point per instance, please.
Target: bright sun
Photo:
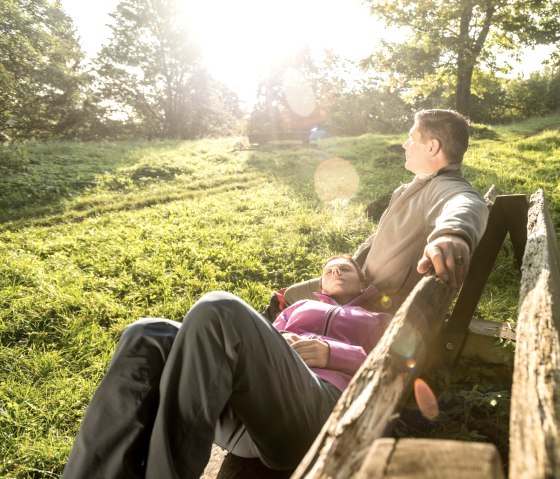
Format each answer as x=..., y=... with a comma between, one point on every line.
x=241, y=38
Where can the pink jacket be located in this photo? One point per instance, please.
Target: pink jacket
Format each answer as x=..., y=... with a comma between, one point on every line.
x=350, y=331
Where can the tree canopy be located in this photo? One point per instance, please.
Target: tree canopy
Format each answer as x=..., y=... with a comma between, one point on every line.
x=149, y=79
x=151, y=74
x=41, y=76
x=447, y=40
x=309, y=90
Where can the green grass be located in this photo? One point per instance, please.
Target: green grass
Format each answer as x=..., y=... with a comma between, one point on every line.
x=96, y=235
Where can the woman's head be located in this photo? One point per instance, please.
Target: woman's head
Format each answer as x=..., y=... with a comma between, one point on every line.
x=342, y=278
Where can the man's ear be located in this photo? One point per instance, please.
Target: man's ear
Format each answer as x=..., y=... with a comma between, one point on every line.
x=435, y=146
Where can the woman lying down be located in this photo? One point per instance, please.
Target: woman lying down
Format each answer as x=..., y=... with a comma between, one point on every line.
x=225, y=375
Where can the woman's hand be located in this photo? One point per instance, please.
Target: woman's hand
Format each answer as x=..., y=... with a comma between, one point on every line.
x=292, y=338
x=314, y=352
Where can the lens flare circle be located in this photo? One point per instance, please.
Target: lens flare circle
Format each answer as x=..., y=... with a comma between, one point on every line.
x=298, y=93
x=407, y=342
x=335, y=180
x=410, y=363
x=426, y=400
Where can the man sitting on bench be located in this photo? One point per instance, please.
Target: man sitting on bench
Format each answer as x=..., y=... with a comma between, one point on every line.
x=433, y=223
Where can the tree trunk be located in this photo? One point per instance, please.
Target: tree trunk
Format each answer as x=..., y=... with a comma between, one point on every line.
x=468, y=51
x=463, y=91
x=465, y=66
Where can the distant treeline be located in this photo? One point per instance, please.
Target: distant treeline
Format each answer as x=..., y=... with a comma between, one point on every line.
x=148, y=81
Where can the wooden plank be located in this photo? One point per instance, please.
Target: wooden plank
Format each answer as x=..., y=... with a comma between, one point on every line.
x=214, y=463
x=516, y=216
x=494, y=329
x=483, y=343
x=431, y=459
x=535, y=404
x=367, y=408
x=378, y=459
x=279, y=135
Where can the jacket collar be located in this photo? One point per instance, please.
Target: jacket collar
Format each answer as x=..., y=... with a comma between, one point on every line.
x=451, y=169
x=369, y=293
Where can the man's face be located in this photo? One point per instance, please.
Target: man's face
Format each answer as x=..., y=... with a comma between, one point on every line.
x=418, y=153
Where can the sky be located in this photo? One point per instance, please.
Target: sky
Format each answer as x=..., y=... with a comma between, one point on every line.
x=240, y=37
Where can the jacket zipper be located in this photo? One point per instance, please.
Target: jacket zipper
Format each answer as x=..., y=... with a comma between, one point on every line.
x=392, y=207
x=330, y=314
x=406, y=192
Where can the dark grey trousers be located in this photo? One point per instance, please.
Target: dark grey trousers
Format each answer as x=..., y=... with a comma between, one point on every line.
x=224, y=375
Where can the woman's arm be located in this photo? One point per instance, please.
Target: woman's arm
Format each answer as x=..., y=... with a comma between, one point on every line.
x=329, y=354
x=344, y=357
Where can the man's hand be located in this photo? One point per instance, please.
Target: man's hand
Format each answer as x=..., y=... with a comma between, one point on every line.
x=449, y=256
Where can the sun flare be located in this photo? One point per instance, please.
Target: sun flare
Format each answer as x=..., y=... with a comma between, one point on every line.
x=241, y=39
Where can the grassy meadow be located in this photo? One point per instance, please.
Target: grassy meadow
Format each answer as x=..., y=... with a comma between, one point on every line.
x=96, y=235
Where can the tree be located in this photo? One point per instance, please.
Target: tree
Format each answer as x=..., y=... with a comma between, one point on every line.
x=537, y=95
x=366, y=107
x=151, y=76
x=42, y=81
x=488, y=97
x=449, y=39
x=286, y=95
x=300, y=91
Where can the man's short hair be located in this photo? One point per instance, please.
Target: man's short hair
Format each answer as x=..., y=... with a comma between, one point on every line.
x=450, y=128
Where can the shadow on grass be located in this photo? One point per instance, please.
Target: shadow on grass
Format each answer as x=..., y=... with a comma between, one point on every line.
x=37, y=180
x=526, y=181
x=378, y=162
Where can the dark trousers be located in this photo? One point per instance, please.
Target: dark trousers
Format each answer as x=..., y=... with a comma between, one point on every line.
x=224, y=375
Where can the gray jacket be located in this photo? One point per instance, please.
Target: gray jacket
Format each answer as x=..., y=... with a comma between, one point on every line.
x=419, y=212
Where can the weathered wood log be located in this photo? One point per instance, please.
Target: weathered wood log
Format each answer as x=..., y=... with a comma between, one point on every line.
x=367, y=408
x=214, y=463
x=494, y=329
x=431, y=459
x=535, y=405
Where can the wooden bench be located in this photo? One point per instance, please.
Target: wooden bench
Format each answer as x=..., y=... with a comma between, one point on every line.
x=367, y=408
x=260, y=138
x=508, y=214
x=352, y=444
x=430, y=458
